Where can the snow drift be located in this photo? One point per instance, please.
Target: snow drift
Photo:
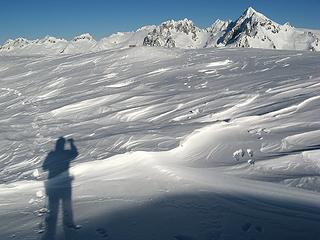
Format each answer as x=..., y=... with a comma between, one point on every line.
x=173, y=144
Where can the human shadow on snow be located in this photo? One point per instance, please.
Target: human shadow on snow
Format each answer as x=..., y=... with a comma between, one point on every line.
x=59, y=188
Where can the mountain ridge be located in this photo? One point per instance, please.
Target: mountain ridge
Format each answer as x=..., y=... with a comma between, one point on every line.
x=251, y=30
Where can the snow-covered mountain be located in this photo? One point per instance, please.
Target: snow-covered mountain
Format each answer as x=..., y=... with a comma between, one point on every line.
x=254, y=30
x=22, y=46
x=182, y=34
x=124, y=39
x=83, y=43
x=14, y=44
x=216, y=31
x=251, y=30
x=80, y=44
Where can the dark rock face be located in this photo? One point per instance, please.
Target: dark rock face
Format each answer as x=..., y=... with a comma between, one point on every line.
x=249, y=24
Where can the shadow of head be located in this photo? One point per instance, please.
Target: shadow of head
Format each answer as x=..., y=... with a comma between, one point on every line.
x=60, y=144
x=58, y=161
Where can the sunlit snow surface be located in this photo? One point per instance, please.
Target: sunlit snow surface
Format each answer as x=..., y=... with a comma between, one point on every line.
x=158, y=131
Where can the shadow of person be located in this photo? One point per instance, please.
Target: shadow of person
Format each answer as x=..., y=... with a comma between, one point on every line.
x=58, y=188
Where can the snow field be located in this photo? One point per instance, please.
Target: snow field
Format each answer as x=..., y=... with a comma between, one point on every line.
x=234, y=159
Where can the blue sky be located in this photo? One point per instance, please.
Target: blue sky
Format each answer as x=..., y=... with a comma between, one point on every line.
x=68, y=18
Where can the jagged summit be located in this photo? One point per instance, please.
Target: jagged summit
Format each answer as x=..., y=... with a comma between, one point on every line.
x=11, y=44
x=252, y=13
x=249, y=12
x=247, y=25
x=254, y=30
x=184, y=21
x=184, y=25
x=167, y=33
x=50, y=40
x=83, y=37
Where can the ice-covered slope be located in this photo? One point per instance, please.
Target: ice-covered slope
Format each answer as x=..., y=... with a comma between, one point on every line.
x=253, y=30
x=124, y=39
x=164, y=137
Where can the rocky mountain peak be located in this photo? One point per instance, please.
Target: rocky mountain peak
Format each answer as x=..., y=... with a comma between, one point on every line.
x=249, y=12
x=83, y=37
x=249, y=24
x=15, y=43
x=50, y=40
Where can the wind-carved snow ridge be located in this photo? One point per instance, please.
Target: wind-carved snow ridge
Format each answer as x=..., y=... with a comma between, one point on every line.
x=161, y=70
x=219, y=63
x=251, y=30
